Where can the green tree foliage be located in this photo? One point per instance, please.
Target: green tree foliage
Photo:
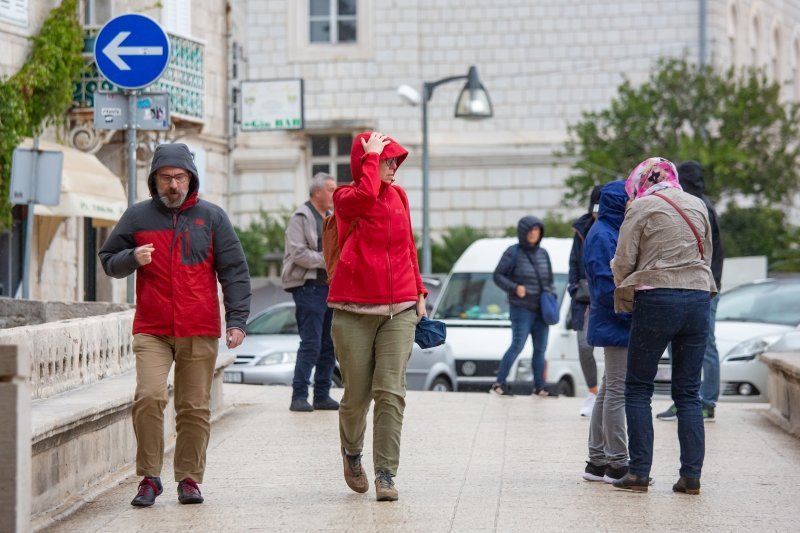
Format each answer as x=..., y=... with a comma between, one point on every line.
x=761, y=231
x=263, y=236
x=733, y=123
x=40, y=93
x=457, y=239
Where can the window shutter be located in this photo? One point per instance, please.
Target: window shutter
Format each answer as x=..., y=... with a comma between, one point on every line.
x=14, y=11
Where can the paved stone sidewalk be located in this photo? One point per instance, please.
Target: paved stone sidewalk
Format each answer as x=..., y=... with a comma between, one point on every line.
x=470, y=462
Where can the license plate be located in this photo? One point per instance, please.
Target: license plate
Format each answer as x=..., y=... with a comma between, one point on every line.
x=664, y=373
x=232, y=377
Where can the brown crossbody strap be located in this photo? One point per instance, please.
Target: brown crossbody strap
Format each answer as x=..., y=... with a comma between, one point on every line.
x=686, y=218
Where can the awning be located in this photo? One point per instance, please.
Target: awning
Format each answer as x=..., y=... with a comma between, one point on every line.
x=88, y=188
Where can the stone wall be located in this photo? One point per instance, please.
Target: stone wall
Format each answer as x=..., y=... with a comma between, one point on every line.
x=72, y=353
x=16, y=313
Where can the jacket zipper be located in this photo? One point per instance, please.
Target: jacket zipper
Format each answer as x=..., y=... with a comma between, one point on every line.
x=389, y=257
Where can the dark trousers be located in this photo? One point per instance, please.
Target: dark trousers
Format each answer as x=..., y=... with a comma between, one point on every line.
x=525, y=322
x=661, y=316
x=316, y=347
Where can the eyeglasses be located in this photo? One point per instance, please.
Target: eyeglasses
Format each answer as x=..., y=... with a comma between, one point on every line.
x=391, y=162
x=166, y=178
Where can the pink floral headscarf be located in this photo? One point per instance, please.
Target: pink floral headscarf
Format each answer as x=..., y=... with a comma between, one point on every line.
x=651, y=175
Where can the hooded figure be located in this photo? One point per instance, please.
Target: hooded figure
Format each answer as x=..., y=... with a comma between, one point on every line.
x=690, y=175
x=581, y=228
x=523, y=272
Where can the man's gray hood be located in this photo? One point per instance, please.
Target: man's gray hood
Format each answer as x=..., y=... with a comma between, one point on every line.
x=173, y=155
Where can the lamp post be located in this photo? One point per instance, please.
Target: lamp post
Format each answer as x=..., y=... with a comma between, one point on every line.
x=473, y=103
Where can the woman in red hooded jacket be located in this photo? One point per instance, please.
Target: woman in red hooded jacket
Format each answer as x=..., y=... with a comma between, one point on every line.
x=378, y=297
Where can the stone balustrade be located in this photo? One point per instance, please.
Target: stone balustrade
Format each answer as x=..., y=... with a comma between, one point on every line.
x=72, y=353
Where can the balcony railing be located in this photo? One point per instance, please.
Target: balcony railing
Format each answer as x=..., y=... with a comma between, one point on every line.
x=183, y=79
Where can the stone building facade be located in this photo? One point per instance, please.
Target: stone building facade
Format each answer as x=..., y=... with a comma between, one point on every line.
x=198, y=83
x=543, y=63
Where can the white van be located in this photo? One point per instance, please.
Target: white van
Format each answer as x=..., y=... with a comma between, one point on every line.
x=479, y=331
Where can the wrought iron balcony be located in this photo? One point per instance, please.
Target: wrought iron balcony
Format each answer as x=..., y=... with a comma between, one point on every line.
x=183, y=79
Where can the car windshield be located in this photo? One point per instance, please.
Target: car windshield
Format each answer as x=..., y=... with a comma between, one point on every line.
x=278, y=321
x=474, y=296
x=771, y=303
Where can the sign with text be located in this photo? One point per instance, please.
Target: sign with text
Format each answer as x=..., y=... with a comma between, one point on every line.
x=111, y=111
x=272, y=105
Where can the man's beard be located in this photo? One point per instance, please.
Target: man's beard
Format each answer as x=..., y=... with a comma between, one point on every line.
x=173, y=205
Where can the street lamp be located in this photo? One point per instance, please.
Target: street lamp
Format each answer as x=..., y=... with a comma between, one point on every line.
x=473, y=103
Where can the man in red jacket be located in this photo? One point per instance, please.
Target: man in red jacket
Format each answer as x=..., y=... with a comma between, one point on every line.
x=378, y=297
x=179, y=246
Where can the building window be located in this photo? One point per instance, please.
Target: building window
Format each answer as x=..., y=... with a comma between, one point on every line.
x=330, y=30
x=332, y=21
x=733, y=29
x=96, y=12
x=331, y=154
x=777, y=57
x=14, y=11
x=176, y=16
x=755, y=41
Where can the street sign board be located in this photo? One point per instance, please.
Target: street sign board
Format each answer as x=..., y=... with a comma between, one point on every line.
x=111, y=111
x=131, y=51
x=36, y=176
x=272, y=105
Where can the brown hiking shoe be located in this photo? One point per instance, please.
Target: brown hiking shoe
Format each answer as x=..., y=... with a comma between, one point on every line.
x=354, y=474
x=385, y=491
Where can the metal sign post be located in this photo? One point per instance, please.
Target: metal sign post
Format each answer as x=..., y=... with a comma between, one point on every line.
x=35, y=179
x=131, y=51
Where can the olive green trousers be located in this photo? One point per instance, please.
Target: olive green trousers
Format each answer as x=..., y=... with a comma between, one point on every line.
x=373, y=352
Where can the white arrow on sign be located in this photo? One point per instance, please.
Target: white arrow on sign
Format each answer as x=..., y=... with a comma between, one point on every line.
x=113, y=50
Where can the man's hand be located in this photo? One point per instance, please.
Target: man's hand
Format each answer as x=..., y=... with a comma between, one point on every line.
x=520, y=291
x=376, y=143
x=233, y=337
x=144, y=254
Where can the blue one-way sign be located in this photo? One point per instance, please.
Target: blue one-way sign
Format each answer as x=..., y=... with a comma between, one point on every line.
x=131, y=51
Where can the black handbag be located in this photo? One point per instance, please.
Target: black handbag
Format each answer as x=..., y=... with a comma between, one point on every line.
x=582, y=292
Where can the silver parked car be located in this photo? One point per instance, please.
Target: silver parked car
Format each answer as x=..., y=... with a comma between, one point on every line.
x=269, y=351
x=750, y=319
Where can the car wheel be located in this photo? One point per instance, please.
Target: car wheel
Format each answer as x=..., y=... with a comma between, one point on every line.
x=565, y=387
x=441, y=384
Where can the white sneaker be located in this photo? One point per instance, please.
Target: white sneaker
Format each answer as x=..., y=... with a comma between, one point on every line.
x=588, y=405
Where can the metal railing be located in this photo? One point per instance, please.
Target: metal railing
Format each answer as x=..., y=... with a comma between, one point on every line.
x=183, y=80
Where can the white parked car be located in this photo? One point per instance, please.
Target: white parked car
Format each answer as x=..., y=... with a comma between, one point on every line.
x=751, y=318
x=269, y=351
x=479, y=330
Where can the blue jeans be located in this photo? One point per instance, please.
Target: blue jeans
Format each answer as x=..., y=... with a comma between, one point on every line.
x=523, y=323
x=316, y=347
x=709, y=388
x=661, y=316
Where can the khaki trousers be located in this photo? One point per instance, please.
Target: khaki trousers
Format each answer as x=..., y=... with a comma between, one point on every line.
x=373, y=352
x=195, y=358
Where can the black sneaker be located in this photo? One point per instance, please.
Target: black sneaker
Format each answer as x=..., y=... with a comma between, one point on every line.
x=687, y=485
x=149, y=488
x=326, y=404
x=708, y=414
x=670, y=414
x=301, y=405
x=189, y=492
x=593, y=472
x=632, y=483
x=501, y=389
x=612, y=474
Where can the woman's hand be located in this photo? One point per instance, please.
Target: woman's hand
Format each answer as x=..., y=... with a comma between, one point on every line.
x=376, y=143
x=421, y=309
x=520, y=291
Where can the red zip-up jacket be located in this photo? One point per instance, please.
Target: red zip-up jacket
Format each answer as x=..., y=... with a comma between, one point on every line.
x=378, y=260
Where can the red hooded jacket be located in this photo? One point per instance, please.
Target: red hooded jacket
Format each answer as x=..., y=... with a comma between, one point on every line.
x=378, y=260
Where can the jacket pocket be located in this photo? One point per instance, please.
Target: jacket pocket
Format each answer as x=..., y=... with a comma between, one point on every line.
x=196, y=245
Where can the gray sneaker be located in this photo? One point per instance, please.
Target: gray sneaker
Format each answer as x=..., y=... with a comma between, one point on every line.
x=670, y=414
x=301, y=406
x=385, y=491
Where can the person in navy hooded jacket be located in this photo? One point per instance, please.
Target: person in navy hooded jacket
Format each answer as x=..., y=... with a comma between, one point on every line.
x=608, y=445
